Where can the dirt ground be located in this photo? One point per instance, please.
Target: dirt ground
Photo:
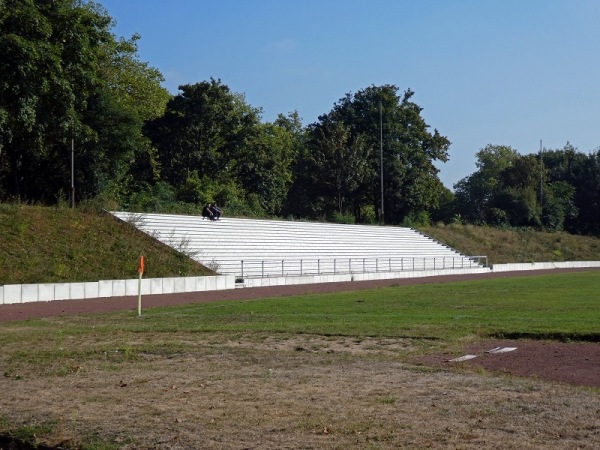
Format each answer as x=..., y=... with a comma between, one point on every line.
x=311, y=392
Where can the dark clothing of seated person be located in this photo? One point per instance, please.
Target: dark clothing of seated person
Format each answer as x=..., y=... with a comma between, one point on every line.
x=216, y=211
x=206, y=212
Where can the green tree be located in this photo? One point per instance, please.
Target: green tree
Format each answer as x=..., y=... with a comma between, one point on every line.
x=201, y=130
x=558, y=205
x=264, y=166
x=338, y=163
x=47, y=66
x=580, y=200
x=136, y=88
x=474, y=194
x=411, y=183
x=56, y=58
x=213, y=132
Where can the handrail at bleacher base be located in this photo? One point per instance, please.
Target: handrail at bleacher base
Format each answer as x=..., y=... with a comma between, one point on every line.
x=261, y=268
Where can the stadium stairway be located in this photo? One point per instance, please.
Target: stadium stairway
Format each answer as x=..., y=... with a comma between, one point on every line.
x=250, y=248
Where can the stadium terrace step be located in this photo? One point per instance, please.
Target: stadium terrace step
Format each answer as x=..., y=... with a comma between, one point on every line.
x=266, y=248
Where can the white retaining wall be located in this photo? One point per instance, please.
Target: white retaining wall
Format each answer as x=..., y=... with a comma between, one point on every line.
x=25, y=293
x=545, y=265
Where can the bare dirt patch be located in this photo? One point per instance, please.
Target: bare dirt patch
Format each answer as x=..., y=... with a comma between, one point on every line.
x=576, y=363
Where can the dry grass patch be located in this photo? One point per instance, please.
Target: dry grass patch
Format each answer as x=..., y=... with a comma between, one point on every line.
x=305, y=391
x=516, y=245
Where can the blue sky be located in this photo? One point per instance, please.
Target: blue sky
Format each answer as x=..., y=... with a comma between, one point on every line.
x=506, y=72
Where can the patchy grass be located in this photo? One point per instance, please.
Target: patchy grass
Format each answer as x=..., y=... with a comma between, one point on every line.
x=515, y=245
x=327, y=371
x=46, y=245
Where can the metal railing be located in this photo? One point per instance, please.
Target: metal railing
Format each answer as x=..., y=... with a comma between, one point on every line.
x=262, y=268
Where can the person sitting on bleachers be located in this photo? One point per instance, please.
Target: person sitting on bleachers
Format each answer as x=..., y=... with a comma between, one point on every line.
x=216, y=211
x=207, y=213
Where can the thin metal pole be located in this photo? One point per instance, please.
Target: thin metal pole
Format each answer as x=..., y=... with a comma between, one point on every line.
x=381, y=158
x=541, y=185
x=72, y=173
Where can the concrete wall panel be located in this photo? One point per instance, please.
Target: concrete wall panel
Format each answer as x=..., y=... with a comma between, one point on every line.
x=77, y=291
x=62, y=291
x=46, y=292
x=12, y=294
x=29, y=293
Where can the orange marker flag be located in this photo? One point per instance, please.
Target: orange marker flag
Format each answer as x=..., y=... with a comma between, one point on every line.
x=140, y=271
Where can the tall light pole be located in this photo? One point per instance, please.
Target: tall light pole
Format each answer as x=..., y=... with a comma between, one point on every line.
x=72, y=173
x=381, y=157
x=541, y=185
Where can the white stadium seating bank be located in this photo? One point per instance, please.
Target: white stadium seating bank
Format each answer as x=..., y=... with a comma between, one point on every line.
x=252, y=253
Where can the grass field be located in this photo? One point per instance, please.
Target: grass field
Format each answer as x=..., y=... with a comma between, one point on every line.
x=315, y=371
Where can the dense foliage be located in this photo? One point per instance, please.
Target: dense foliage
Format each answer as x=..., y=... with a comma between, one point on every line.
x=66, y=78
x=555, y=190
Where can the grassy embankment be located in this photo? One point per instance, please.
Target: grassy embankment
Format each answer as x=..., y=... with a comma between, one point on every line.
x=47, y=245
x=516, y=245
x=44, y=245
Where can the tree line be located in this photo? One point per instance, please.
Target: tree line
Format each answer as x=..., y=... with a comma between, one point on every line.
x=65, y=77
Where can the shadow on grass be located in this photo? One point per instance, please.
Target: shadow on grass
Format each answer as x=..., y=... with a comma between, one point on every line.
x=551, y=336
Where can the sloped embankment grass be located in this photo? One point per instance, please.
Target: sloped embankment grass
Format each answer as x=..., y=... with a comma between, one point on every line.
x=46, y=245
x=516, y=245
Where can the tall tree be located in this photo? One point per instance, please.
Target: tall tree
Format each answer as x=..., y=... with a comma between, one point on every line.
x=53, y=88
x=264, y=166
x=518, y=193
x=474, y=194
x=338, y=163
x=581, y=172
x=211, y=133
x=47, y=65
x=411, y=183
x=201, y=130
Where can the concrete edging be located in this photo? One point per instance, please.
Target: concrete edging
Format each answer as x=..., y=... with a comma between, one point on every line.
x=544, y=266
x=25, y=293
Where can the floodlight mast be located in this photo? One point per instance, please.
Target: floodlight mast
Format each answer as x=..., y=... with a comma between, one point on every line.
x=381, y=157
x=72, y=173
x=541, y=184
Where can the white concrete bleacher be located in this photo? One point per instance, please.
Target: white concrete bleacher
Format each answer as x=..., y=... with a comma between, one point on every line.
x=250, y=248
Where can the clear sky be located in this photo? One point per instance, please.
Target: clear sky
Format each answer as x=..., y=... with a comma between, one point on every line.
x=505, y=72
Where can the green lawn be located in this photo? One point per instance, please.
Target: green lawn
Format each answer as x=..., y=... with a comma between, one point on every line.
x=561, y=306
x=549, y=306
